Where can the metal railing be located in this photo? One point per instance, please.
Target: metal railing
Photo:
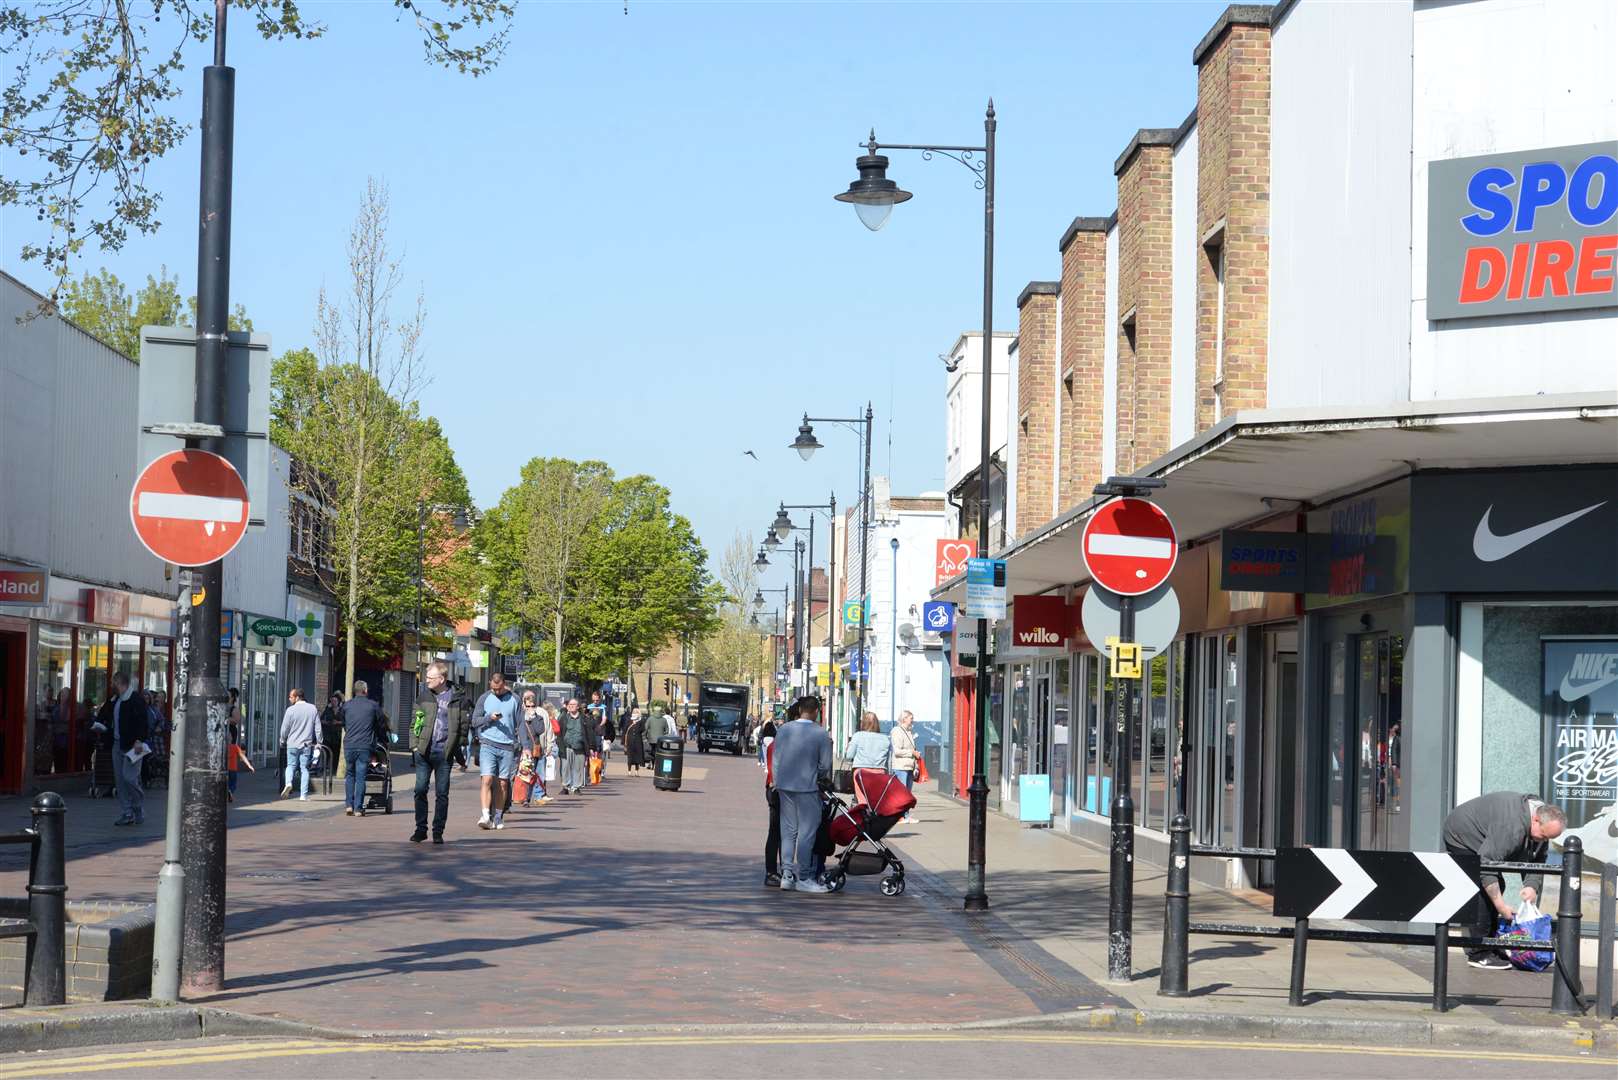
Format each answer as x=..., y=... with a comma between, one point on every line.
x=45, y=966
x=1567, y=990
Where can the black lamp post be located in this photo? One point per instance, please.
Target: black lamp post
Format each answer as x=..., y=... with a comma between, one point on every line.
x=829, y=508
x=874, y=196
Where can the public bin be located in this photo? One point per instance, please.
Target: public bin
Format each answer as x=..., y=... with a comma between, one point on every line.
x=668, y=760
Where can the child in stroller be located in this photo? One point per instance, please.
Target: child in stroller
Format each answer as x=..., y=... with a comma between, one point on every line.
x=881, y=800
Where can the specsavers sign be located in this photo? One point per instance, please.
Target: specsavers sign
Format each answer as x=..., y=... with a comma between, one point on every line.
x=1580, y=706
x=1535, y=230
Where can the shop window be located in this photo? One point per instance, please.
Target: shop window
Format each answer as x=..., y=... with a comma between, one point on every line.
x=159, y=662
x=53, y=701
x=1157, y=743
x=91, y=659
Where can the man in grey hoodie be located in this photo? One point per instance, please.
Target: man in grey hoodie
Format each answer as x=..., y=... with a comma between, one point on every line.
x=800, y=759
x=1502, y=826
x=300, y=734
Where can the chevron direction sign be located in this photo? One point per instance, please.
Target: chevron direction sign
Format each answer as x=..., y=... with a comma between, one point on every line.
x=1377, y=886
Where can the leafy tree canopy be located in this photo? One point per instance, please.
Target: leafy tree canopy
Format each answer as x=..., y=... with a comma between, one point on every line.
x=102, y=304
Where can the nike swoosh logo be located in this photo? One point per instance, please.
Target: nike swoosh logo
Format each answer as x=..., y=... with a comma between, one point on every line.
x=1572, y=692
x=1489, y=547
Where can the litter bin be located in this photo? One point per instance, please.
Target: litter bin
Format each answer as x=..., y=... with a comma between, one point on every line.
x=668, y=760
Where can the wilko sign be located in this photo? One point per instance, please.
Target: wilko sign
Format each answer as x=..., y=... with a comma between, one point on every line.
x=1530, y=231
x=24, y=587
x=1041, y=622
x=951, y=561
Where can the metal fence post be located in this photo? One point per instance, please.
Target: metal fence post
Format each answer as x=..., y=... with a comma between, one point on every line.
x=1177, y=911
x=1565, y=984
x=1300, y=957
x=1441, y=967
x=1604, y=940
x=47, y=904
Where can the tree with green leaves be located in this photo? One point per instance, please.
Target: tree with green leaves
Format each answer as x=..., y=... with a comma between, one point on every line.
x=595, y=571
x=88, y=103
x=731, y=651
x=101, y=304
x=347, y=411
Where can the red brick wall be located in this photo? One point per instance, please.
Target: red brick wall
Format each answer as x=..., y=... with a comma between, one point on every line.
x=1233, y=186
x=1036, y=404
x=1083, y=330
x=1145, y=259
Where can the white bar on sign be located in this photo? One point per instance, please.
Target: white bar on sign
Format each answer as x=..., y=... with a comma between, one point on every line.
x=181, y=507
x=1145, y=547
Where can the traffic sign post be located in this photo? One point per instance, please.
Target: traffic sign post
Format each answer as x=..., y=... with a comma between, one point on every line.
x=1129, y=548
x=189, y=507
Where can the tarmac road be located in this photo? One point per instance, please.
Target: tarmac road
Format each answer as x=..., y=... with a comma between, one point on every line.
x=1031, y=1054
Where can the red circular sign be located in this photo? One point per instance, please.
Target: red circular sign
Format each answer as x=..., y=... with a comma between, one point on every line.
x=1129, y=546
x=189, y=507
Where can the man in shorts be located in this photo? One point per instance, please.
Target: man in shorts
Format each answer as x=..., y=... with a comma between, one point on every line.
x=495, y=717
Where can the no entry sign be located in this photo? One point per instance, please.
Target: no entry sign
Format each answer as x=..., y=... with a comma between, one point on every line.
x=189, y=507
x=1129, y=546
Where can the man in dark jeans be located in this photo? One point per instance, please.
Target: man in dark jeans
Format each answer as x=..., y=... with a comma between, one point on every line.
x=363, y=724
x=441, y=720
x=772, y=838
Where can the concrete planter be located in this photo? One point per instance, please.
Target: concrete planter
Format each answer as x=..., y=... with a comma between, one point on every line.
x=109, y=950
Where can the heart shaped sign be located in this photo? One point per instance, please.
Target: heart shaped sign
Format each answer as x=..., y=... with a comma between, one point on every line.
x=951, y=561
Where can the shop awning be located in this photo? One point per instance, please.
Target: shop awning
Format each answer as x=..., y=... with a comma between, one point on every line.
x=1255, y=464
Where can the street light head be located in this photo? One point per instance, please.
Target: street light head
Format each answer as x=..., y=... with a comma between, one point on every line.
x=770, y=539
x=894, y=543
x=806, y=443
x=873, y=194
x=782, y=525
x=762, y=561
x=758, y=600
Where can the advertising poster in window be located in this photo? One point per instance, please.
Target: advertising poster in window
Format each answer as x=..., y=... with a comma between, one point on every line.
x=1580, y=707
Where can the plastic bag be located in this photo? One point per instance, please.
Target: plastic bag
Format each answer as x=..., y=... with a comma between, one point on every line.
x=1532, y=925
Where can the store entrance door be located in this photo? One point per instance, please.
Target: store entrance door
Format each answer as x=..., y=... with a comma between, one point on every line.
x=13, y=709
x=1373, y=786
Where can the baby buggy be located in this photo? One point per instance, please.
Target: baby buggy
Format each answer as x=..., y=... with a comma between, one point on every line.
x=380, y=774
x=881, y=800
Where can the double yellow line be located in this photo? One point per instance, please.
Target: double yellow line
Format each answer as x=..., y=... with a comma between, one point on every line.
x=219, y=1052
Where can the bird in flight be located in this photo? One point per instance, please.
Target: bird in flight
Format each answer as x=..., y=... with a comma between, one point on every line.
x=749, y=453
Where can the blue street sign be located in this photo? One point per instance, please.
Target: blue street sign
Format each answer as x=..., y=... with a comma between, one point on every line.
x=985, y=588
x=938, y=616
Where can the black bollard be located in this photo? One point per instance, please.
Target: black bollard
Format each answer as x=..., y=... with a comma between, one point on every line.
x=1177, y=911
x=47, y=904
x=1565, y=983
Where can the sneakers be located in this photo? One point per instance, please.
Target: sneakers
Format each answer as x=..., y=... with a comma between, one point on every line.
x=485, y=822
x=500, y=820
x=438, y=838
x=303, y=798
x=286, y=791
x=788, y=882
x=772, y=881
x=1489, y=963
x=349, y=810
x=125, y=820
x=543, y=799
x=810, y=886
x=418, y=836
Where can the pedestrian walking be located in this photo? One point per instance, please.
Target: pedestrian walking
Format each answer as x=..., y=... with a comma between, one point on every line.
x=126, y=725
x=495, y=721
x=772, y=799
x=236, y=760
x=635, y=741
x=442, y=716
x=800, y=760
x=553, y=751
x=364, y=725
x=331, y=727
x=604, y=726
x=902, y=754
x=300, y=734
x=579, y=740
x=868, y=748
x=533, y=740
x=1503, y=826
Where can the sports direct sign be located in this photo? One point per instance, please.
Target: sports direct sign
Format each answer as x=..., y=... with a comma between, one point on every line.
x=1530, y=231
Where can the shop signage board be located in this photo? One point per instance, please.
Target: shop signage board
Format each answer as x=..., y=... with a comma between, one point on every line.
x=1157, y=619
x=951, y=559
x=1580, y=712
x=966, y=640
x=268, y=628
x=1129, y=546
x=24, y=586
x=1041, y=621
x=985, y=589
x=1378, y=886
x=189, y=507
x=310, y=619
x=856, y=612
x=1534, y=230
x=938, y=617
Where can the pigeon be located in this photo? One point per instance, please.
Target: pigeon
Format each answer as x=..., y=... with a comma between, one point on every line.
x=749, y=453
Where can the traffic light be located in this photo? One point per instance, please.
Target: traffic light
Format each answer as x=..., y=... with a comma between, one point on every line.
x=668, y=687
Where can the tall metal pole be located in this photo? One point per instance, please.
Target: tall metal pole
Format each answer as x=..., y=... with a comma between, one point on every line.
x=893, y=640
x=833, y=617
x=865, y=569
x=977, y=897
x=171, y=878
x=203, y=857
x=1121, y=901
x=809, y=607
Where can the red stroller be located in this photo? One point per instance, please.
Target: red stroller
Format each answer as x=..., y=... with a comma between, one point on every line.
x=881, y=801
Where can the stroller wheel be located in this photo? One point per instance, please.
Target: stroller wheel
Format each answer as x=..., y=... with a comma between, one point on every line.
x=388, y=808
x=835, y=880
x=893, y=886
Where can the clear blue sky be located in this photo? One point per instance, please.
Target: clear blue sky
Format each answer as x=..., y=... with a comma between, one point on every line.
x=626, y=235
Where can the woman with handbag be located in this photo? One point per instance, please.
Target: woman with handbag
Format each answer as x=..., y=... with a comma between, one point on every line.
x=533, y=735
x=904, y=753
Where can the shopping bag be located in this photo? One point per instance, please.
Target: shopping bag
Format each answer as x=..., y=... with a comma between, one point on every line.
x=550, y=769
x=921, y=776
x=596, y=767
x=1530, y=924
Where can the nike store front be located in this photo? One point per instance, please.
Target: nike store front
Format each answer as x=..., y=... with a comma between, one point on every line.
x=1466, y=641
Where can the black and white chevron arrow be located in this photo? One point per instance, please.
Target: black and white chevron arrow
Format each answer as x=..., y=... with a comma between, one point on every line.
x=1390, y=886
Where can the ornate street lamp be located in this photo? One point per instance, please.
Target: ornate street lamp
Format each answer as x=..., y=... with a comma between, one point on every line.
x=806, y=444
x=782, y=525
x=873, y=195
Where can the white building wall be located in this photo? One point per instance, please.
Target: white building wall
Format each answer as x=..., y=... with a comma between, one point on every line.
x=1183, y=297
x=1340, y=221
x=1109, y=362
x=920, y=670
x=963, y=410
x=1494, y=76
x=1008, y=410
